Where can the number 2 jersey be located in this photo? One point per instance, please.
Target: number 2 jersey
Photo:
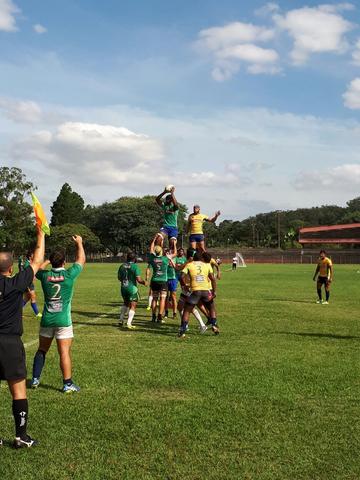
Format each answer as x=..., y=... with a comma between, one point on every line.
x=58, y=288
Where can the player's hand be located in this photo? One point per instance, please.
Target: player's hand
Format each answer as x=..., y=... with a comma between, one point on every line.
x=172, y=190
x=77, y=239
x=218, y=213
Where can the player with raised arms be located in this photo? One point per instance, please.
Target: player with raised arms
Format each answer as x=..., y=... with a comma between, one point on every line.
x=195, y=228
x=58, y=288
x=159, y=264
x=170, y=210
x=129, y=275
x=325, y=275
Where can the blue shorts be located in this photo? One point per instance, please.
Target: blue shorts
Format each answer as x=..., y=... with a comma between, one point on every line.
x=171, y=232
x=172, y=285
x=196, y=237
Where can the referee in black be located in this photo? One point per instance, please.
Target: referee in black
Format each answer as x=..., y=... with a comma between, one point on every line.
x=12, y=352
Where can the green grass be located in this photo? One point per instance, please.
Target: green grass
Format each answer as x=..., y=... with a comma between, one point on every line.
x=275, y=396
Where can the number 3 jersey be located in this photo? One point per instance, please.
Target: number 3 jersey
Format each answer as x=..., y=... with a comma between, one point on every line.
x=58, y=288
x=199, y=275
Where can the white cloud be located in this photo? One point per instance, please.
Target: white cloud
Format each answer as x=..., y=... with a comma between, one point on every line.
x=38, y=28
x=234, y=44
x=315, y=30
x=342, y=177
x=21, y=111
x=356, y=54
x=8, y=11
x=267, y=9
x=352, y=95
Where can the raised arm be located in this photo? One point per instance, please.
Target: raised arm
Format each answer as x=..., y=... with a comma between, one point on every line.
x=152, y=245
x=80, y=252
x=159, y=197
x=174, y=201
x=39, y=251
x=215, y=217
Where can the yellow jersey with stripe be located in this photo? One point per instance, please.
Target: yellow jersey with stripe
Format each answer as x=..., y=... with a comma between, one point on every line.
x=324, y=267
x=196, y=223
x=199, y=275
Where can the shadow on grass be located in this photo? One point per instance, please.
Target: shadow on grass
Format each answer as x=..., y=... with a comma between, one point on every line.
x=94, y=314
x=44, y=386
x=322, y=335
x=288, y=300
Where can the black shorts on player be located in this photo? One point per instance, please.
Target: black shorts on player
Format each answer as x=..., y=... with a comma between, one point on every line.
x=159, y=286
x=205, y=296
x=323, y=280
x=12, y=358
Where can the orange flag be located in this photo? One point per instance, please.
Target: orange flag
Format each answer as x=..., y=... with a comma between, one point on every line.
x=40, y=216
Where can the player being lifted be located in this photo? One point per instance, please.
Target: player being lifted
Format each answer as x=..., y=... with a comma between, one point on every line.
x=58, y=289
x=170, y=210
x=129, y=275
x=195, y=228
x=30, y=294
x=159, y=264
x=325, y=275
x=201, y=276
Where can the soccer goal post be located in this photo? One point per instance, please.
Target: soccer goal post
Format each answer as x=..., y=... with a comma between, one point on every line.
x=240, y=260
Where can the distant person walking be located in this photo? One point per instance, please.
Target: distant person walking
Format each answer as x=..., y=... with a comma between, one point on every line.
x=234, y=263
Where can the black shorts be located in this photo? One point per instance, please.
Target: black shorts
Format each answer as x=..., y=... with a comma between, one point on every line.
x=12, y=358
x=323, y=280
x=200, y=295
x=159, y=286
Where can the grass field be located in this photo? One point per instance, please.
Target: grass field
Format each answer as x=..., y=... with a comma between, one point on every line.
x=275, y=396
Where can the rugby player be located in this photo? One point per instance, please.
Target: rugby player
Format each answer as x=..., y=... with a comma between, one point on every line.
x=30, y=293
x=170, y=210
x=12, y=353
x=172, y=282
x=129, y=275
x=201, y=275
x=159, y=264
x=58, y=288
x=195, y=228
x=325, y=275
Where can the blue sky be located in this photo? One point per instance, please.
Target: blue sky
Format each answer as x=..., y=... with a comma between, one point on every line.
x=244, y=106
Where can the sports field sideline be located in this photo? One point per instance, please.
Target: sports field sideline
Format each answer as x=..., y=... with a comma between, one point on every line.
x=275, y=396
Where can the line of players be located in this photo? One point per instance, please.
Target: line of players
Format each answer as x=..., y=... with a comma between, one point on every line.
x=169, y=266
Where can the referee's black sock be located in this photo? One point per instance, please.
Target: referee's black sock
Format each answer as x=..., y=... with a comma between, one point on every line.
x=38, y=365
x=20, y=411
x=319, y=293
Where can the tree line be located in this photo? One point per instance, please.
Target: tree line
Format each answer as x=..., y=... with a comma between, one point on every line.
x=130, y=222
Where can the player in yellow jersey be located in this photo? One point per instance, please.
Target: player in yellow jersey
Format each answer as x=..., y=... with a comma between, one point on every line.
x=195, y=228
x=325, y=275
x=200, y=274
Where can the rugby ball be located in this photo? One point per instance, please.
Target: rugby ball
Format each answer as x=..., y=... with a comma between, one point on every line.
x=168, y=188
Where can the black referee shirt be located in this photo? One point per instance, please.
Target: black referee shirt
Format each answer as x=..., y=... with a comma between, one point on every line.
x=11, y=301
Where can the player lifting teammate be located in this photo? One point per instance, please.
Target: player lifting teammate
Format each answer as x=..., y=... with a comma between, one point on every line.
x=325, y=275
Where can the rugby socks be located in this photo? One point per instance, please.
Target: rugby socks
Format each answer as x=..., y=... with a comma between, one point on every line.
x=123, y=312
x=150, y=300
x=38, y=365
x=20, y=411
x=67, y=381
x=131, y=317
x=327, y=296
x=198, y=317
x=319, y=293
x=35, y=308
x=213, y=322
x=25, y=302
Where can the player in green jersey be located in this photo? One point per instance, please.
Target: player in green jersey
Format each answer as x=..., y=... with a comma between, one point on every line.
x=170, y=210
x=129, y=275
x=58, y=288
x=159, y=264
x=173, y=280
x=23, y=263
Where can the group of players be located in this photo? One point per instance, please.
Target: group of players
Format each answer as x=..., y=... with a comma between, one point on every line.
x=169, y=266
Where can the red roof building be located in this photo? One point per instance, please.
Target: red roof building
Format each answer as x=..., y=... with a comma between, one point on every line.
x=336, y=234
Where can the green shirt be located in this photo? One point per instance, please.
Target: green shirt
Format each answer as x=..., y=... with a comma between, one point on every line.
x=58, y=288
x=159, y=267
x=127, y=274
x=171, y=273
x=179, y=261
x=171, y=213
x=23, y=263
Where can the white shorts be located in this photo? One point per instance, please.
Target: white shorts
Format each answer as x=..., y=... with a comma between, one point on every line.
x=60, y=333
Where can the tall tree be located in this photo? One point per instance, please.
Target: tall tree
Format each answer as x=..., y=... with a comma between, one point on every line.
x=67, y=208
x=16, y=224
